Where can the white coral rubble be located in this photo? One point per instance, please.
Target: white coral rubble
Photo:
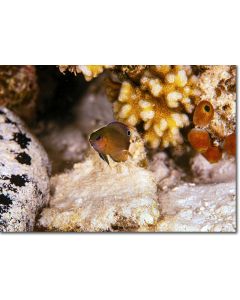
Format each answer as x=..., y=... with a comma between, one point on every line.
x=97, y=197
x=199, y=208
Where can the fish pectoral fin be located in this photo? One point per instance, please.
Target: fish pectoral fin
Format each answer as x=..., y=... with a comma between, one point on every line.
x=120, y=155
x=104, y=157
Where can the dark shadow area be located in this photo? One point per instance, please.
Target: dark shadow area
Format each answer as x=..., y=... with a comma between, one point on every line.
x=57, y=92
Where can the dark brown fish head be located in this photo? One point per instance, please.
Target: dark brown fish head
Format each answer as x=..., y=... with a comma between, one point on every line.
x=98, y=140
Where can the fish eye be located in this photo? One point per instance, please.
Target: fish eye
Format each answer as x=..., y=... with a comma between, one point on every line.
x=128, y=133
x=98, y=138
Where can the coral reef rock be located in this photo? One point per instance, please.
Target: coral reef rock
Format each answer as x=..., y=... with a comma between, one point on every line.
x=199, y=208
x=218, y=86
x=165, y=171
x=64, y=144
x=215, y=113
x=19, y=89
x=24, y=175
x=96, y=197
x=205, y=172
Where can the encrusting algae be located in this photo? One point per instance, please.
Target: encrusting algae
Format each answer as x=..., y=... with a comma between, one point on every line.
x=166, y=102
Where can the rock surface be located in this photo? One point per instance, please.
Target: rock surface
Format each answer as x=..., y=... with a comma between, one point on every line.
x=165, y=171
x=97, y=197
x=205, y=172
x=198, y=208
x=64, y=144
x=24, y=175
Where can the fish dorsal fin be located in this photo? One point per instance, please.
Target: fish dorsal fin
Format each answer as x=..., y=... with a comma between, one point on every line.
x=120, y=128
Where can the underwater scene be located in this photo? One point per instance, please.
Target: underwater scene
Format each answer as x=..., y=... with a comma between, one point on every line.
x=118, y=148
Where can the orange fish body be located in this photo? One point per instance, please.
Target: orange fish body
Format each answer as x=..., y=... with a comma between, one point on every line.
x=112, y=140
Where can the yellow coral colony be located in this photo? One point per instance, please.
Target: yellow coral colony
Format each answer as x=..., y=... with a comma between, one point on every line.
x=161, y=99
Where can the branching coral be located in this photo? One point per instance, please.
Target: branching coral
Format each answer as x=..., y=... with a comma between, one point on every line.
x=89, y=72
x=159, y=98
